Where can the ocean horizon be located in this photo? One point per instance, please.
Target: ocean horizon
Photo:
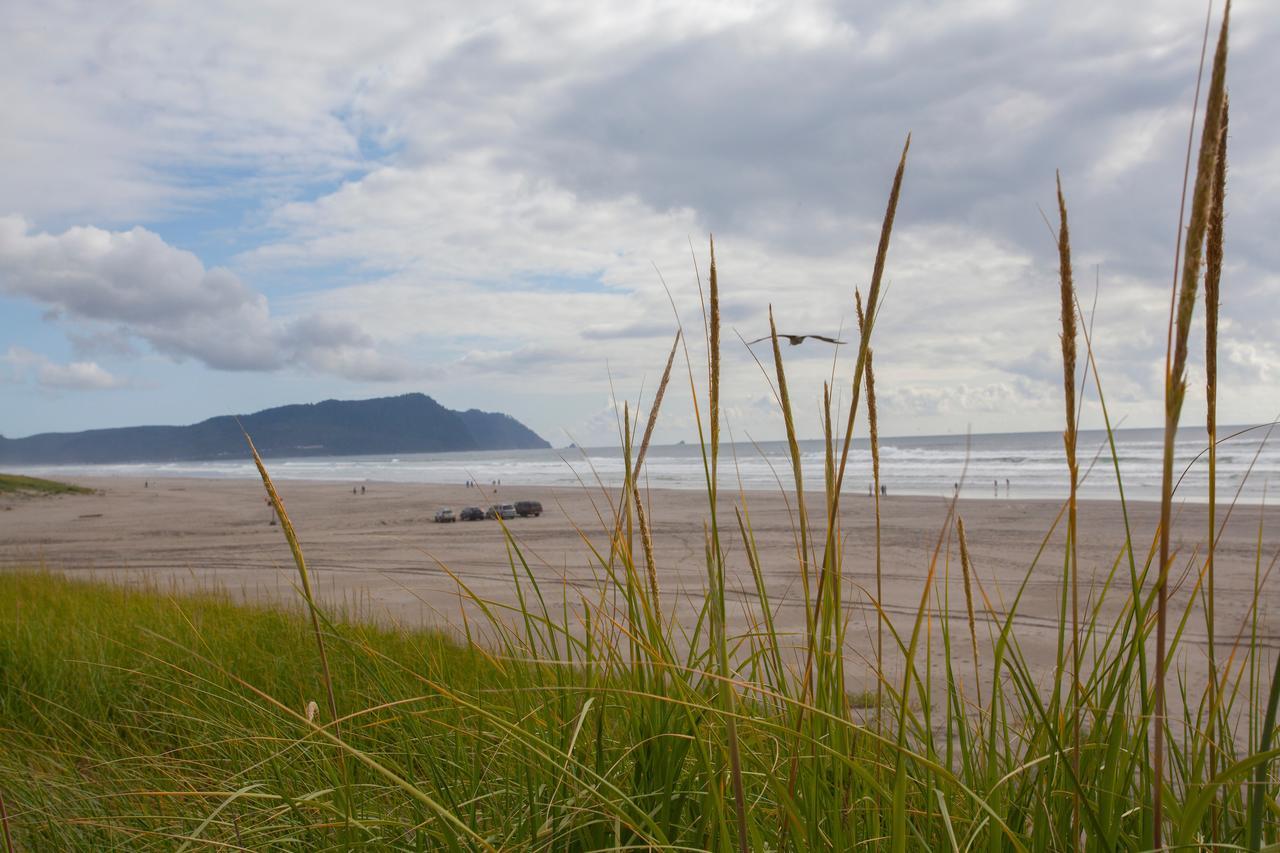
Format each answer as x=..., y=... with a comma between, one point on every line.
x=1024, y=465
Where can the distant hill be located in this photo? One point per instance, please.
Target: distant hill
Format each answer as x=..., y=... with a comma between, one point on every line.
x=411, y=423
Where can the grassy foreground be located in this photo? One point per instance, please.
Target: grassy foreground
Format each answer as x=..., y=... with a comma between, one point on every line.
x=128, y=720
x=18, y=484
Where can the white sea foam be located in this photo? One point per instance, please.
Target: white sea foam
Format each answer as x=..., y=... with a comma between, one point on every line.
x=1021, y=465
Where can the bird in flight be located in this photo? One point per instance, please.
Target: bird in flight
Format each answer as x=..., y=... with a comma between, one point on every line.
x=797, y=340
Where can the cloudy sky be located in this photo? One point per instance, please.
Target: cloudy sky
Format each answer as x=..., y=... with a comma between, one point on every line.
x=219, y=207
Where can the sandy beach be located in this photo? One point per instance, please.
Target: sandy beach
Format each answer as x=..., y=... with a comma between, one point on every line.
x=380, y=554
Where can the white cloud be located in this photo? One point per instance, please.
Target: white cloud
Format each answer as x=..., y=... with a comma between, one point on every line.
x=24, y=365
x=137, y=285
x=133, y=278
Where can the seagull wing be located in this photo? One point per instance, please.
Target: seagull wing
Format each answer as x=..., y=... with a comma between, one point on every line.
x=758, y=340
x=824, y=338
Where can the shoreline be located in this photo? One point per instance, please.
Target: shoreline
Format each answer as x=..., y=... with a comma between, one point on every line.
x=102, y=481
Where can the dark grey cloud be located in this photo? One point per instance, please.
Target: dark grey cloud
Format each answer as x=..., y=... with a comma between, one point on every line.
x=340, y=347
x=108, y=342
x=794, y=144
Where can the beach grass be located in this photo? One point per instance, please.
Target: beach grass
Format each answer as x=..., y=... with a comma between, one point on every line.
x=619, y=716
x=129, y=717
x=16, y=484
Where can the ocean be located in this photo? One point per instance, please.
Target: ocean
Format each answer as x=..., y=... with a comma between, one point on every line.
x=999, y=465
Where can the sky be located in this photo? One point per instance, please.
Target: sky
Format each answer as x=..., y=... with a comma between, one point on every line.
x=220, y=207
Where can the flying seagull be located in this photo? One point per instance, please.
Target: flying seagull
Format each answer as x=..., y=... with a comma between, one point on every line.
x=797, y=340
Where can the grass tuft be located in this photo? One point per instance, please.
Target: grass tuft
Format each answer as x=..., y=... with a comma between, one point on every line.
x=16, y=484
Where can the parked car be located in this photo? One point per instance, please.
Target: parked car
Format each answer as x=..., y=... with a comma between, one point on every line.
x=501, y=511
x=444, y=516
x=524, y=509
x=472, y=513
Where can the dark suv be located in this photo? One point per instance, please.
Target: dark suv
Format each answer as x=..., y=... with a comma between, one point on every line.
x=527, y=508
x=472, y=513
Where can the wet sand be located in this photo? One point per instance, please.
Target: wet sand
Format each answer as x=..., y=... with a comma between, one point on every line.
x=380, y=555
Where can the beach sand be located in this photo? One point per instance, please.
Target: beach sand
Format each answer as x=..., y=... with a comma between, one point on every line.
x=379, y=555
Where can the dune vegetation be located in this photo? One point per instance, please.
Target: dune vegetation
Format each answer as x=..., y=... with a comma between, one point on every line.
x=17, y=484
x=594, y=720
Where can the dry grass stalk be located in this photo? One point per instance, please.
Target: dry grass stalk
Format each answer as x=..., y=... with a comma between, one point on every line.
x=627, y=439
x=291, y=536
x=1213, y=274
x=874, y=436
x=828, y=455
x=714, y=361
x=1176, y=386
x=657, y=404
x=1212, y=284
x=873, y=300
x=784, y=402
x=966, y=569
x=873, y=296
x=1068, y=294
x=811, y=613
x=646, y=536
x=646, y=542
x=715, y=559
x=296, y=549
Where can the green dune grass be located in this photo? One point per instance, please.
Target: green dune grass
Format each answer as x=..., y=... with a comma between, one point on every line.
x=128, y=717
x=11, y=484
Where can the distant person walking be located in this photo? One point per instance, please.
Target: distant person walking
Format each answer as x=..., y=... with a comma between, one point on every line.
x=995, y=489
